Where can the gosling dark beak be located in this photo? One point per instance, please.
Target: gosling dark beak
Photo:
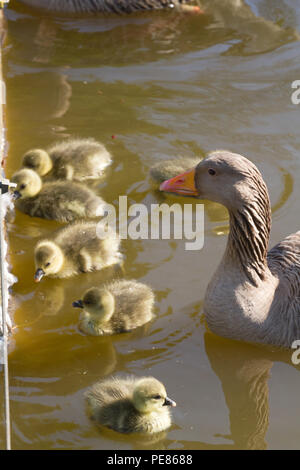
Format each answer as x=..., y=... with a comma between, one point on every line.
x=39, y=273
x=77, y=304
x=16, y=195
x=169, y=402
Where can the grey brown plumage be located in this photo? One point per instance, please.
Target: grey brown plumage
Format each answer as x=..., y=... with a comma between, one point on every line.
x=254, y=294
x=130, y=404
x=104, y=6
x=115, y=307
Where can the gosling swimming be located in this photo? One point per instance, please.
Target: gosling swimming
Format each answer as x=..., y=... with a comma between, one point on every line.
x=73, y=159
x=76, y=249
x=115, y=308
x=130, y=404
x=64, y=201
x=167, y=169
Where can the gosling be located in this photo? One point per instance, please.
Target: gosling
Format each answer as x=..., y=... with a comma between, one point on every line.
x=73, y=159
x=64, y=201
x=115, y=308
x=167, y=169
x=130, y=405
x=75, y=249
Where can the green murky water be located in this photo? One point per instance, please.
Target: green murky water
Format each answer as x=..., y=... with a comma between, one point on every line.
x=163, y=85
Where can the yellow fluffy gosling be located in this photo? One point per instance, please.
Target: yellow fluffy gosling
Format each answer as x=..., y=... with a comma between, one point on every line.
x=73, y=159
x=116, y=307
x=130, y=404
x=75, y=249
x=167, y=169
x=64, y=201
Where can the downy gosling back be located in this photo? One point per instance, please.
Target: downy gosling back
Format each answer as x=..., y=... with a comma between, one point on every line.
x=166, y=169
x=130, y=404
x=117, y=307
x=76, y=249
x=73, y=159
x=63, y=201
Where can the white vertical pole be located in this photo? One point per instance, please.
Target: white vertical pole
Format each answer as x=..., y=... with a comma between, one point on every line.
x=4, y=188
x=4, y=325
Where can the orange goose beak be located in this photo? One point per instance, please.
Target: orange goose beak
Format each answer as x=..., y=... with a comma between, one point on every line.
x=182, y=184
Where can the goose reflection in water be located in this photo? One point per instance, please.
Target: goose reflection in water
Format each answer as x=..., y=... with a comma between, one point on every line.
x=257, y=33
x=244, y=371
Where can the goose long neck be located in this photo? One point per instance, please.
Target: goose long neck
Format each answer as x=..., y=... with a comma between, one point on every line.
x=249, y=234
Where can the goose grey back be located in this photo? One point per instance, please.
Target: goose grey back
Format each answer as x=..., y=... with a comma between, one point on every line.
x=108, y=6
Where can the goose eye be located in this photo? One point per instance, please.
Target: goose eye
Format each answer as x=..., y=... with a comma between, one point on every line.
x=211, y=171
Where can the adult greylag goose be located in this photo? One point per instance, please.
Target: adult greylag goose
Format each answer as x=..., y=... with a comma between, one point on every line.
x=254, y=295
x=130, y=404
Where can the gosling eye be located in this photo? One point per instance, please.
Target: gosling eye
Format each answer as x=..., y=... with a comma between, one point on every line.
x=211, y=172
x=156, y=397
x=47, y=264
x=22, y=186
x=87, y=302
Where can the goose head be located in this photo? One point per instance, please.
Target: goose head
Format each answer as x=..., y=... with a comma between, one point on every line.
x=99, y=303
x=48, y=260
x=38, y=160
x=28, y=183
x=232, y=180
x=150, y=395
x=224, y=177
